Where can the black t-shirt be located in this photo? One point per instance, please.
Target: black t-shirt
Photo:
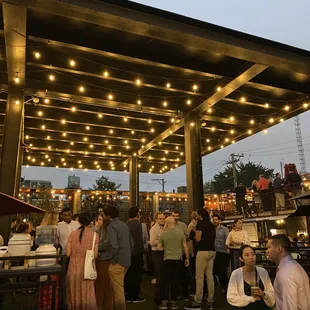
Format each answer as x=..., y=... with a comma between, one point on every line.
x=208, y=236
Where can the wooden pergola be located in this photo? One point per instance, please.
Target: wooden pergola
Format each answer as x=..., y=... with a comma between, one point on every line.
x=115, y=85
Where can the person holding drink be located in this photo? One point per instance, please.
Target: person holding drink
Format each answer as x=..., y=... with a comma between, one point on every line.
x=250, y=287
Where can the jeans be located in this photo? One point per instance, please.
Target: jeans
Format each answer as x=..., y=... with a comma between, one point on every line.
x=133, y=277
x=184, y=272
x=117, y=274
x=204, y=267
x=220, y=269
x=158, y=261
x=171, y=279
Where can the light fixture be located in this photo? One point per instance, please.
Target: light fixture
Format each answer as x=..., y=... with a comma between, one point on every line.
x=226, y=139
x=195, y=87
x=106, y=141
x=222, y=146
x=265, y=131
x=233, y=141
x=64, y=134
x=126, y=141
x=43, y=127
x=305, y=105
x=51, y=77
x=105, y=73
x=17, y=102
x=208, y=140
x=85, y=139
x=203, y=124
x=73, y=109
x=46, y=100
x=125, y=119
x=210, y=110
x=27, y=137
x=48, y=137
x=132, y=132
x=271, y=120
x=209, y=148
x=252, y=122
x=281, y=120
x=87, y=127
x=100, y=115
x=165, y=103
x=110, y=97
x=242, y=99
x=152, y=130
x=232, y=131
x=81, y=89
x=139, y=102
x=250, y=132
x=213, y=128
x=149, y=121
x=71, y=143
x=37, y=55
x=232, y=118
x=168, y=85
x=138, y=82
x=17, y=80
x=72, y=63
x=172, y=120
x=192, y=124
x=286, y=108
x=143, y=140
x=170, y=131
x=219, y=88
x=266, y=105
x=111, y=131
x=63, y=121
x=189, y=102
x=40, y=113
x=176, y=147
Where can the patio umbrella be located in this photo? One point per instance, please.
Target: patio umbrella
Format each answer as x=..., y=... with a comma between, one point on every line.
x=10, y=205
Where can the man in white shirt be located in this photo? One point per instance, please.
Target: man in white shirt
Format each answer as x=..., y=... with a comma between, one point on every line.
x=65, y=228
x=291, y=285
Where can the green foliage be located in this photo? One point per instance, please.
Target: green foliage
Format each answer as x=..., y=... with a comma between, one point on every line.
x=104, y=184
x=208, y=187
x=246, y=173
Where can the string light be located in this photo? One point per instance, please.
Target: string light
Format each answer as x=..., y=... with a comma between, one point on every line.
x=64, y=134
x=209, y=148
x=168, y=85
x=43, y=127
x=63, y=121
x=85, y=139
x=100, y=115
x=265, y=131
x=286, y=108
x=210, y=110
x=106, y=141
x=222, y=146
x=152, y=130
x=81, y=89
x=195, y=87
x=139, y=102
x=51, y=77
x=192, y=124
x=125, y=119
x=72, y=63
x=40, y=113
x=110, y=97
x=219, y=88
x=232, y=131
x=27, y=137
x=73, y=109
x=17, y=102
x=71, y=143
x=37, y=55
x=46, y=100
x=106, y=74
x=242, y=99
x=111, y=131
x=266, y=105
x=232, y=118
x=306, y=105
x=132, y=132
x=271, y=120
x=138, y=82
x=233, y=141
x=226, y=139
x=213, y=129
x=252, y=122
x=172, y=120
x=250, y=132
x=149, y=121
x=165, y=103
x=281, y=120
x=208, y=140
x=48, y=137
x=189, y=102
x=17, y=80
x=87, y=128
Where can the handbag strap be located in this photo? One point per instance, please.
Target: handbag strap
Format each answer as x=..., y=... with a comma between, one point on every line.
x=94, y=240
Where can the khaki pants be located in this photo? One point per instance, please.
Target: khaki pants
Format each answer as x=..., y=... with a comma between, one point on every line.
x=204, y=267
x=280, y=200
x=104, y=295
x=117, y=275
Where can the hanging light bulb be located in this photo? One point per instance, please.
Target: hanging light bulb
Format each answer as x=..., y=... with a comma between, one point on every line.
x=81, y=89
x=100, y=115
x=51, y=77
x=138, y=82
x=195, y=87
x=139, y=102
x=73, y=109
x=242, y=99
x=232, y=118
x=266, y=105
x=252, y=122
x=286, y=108
x=125, y=119
x=189, y=102
x=40, y=113
x=110, y=97
x=46, y=100
x=219, y=88
x=106, y=73
x=165, y=103
x=72, y=63
x=17, y=80
x=168, y=85
x=37, y=55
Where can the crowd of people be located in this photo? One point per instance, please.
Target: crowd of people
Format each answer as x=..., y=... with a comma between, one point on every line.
x=269, y=194
x=186, y=262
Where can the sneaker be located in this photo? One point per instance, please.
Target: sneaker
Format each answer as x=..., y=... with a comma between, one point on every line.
x=174, y=305
x=210, y=305
x=127, y=300
x=194, y=305
x=136, y=301
x=186, y=299
x=164, y=305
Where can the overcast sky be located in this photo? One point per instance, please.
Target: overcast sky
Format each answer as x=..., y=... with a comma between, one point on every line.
x=278, y=20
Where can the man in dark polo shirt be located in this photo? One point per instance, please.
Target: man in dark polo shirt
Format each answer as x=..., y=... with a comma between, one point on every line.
x=205, y=238
x=133, y=276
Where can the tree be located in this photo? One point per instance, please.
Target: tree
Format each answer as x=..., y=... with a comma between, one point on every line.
x=208, y=187
x=103, y=184
x=246, y=173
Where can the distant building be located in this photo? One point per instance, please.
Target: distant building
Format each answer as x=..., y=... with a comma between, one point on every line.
x=182, y=189
x=73, y=181
x=33, y=184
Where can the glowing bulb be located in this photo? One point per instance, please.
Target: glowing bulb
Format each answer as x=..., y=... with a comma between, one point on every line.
x=48, y=137
x=232, y=132
x=100, y=115
x=105, y=73
x=208, y=140
x=242, y=99
x=271, y=120
x=43, y=127
x=73, y=109
x=138, y=82
x=110, y=97
x=111, y=131
x=306, y=105
x=250, y=132
x=209, y=148
x=91, y=146
x=37, y=55
x=165, y=103
x=266, y=105
x=143, y=140
x=189, y=102
x=71, y=143
x=281, y=120
x=125, y=119
x=139, y=102
x=219, y=88
x=172, y=120
x=232, y=118
x=85, y=139
x=265, y=131
x=168, y=85
x=149, y=121
x=81, y=89
x=27, y=137
x=17, y=102
x=63, y=121
x=152, y=130
x=87, y=128
x=46, y=100
x=195, y=87
x=17, y=80
x=209, y=110
x=222, y=146
x=233, y=141
x=213, y=129
x=51, y=77
x=40, y=113
x=226, y=139
x=72, y=63
x=287, y=108
x=192, y=124
x=64, y=134
x=252, y=121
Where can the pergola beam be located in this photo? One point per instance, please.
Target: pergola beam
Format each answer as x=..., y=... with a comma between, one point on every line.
x=165, y=26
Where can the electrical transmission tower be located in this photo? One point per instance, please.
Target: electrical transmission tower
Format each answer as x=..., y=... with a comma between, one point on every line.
x=162, y=182
x=234, y=159
x=300, y=145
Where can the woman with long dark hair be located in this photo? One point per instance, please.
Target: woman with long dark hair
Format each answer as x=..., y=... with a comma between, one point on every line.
x=80, y=292
x=250, y=287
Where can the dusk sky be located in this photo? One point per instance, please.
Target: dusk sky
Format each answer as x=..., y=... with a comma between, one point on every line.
x=278, y=20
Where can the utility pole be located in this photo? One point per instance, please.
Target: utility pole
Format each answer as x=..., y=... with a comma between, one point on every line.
x=234, y=159
x=162, y=182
